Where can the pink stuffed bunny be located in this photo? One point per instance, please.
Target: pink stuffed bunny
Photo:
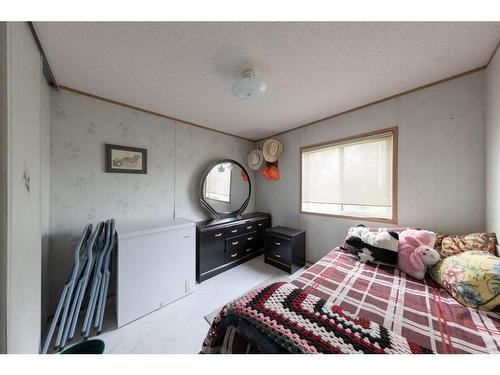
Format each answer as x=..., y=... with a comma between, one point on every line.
x=416, y=252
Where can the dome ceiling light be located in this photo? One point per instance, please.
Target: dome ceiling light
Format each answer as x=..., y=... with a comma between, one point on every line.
x=248, y=86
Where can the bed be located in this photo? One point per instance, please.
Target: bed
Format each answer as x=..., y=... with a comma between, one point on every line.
x=418, y=316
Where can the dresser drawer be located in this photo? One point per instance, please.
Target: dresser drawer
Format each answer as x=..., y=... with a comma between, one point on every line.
x=213, y=235
x=263, y=224
x=243, y=240
x=249, y=227
x=234, y=231
x=233, y=243
x=251, y=239
x=278, y=248
x=243, y=228
x=233, y=255
x=238, y=253
x=248, y=250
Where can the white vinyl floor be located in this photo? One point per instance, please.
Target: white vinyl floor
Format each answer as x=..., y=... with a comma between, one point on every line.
x=181, y=327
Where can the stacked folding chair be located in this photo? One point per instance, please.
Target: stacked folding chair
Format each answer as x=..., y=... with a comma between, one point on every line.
x=100, y=283
x=87, y=285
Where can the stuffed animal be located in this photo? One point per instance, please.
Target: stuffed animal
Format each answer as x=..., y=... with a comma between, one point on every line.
x=373, y=247
x=416, y=252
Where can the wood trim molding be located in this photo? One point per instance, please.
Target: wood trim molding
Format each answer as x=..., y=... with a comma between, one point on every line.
x=395, y=141
x=47, y=71
x=70, y=89
x=450, y=78
x=493, y=54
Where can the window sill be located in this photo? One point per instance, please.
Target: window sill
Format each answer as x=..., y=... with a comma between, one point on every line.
x=360, y=218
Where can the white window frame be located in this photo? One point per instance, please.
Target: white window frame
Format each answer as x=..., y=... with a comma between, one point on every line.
x=394, y=216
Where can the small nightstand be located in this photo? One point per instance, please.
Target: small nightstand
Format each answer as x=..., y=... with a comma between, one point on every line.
x=285, y=248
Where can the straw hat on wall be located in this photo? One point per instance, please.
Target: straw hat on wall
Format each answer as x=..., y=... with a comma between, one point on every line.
x=255, y=159
x=272, y=150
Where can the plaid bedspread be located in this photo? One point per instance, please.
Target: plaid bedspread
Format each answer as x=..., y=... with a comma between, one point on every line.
x=420, y=311
x=282, y=318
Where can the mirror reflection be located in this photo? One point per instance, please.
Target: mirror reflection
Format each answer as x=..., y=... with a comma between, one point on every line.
x=226, y=187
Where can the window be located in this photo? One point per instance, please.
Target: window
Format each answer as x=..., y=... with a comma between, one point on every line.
x=353, y=177
x=218, y=184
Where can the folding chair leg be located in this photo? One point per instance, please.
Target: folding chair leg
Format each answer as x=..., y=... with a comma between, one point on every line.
x=87, y=324
x=67, y=304
x=78, y=306
x=71, y=316
x=103, y=303
x=53, y=324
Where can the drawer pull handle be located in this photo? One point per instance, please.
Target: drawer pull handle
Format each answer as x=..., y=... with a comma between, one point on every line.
x=233, y=255
x=234, y=243
x=260, y=224
x=248, y=250
x=249, y=227
x=249, y=238
x=234, y=230
x=218, y=235
x=278, y=243
x=277, y=255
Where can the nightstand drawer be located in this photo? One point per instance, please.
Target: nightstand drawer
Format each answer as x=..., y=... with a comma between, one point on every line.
x=278, y=248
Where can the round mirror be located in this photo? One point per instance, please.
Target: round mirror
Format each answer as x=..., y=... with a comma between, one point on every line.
x=225, y=189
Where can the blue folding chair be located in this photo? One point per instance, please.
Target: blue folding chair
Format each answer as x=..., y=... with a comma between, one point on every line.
x=67, y=292
x=106, y=279
x=96, y=282
x=82, y=285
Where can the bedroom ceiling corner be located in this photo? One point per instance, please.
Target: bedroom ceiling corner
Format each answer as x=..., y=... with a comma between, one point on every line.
x=312, y=69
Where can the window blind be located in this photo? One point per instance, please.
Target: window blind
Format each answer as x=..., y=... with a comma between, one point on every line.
x=351, y=178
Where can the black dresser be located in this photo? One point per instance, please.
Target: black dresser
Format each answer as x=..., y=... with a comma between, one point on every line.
x=228, y=243
x=285, y=248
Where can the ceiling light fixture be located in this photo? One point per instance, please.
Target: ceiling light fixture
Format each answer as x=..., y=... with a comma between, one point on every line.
x=248, y=86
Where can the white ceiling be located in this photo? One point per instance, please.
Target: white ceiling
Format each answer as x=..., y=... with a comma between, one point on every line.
x=313, y=70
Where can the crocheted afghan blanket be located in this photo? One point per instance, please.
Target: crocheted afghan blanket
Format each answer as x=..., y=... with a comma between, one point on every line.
x=282, y=318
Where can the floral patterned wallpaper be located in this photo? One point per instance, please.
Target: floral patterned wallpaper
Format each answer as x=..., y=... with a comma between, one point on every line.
x=82, y=192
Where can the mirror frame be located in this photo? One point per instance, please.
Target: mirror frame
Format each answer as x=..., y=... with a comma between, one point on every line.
x=215, y=215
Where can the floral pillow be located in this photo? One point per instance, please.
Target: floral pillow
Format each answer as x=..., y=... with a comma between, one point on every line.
x=472, y=278
x=449, y=244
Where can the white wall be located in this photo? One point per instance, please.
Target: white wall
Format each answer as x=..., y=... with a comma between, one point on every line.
x=441, y=175
x=493, y=145
x=45, y=191
x=82, y=192
x=3, y=187
x=22, y=190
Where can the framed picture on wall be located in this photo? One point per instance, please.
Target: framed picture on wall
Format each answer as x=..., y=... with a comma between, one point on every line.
x=124, y=159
